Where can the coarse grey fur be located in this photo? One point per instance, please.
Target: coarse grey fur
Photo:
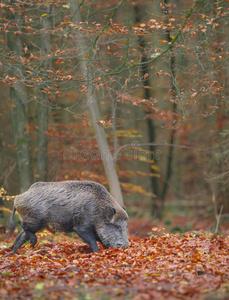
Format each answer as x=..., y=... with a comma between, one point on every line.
x=85, y=207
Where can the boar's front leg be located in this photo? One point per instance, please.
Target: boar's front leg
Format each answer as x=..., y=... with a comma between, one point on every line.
x=20, y=240
x=88, y=237
x=31, y=235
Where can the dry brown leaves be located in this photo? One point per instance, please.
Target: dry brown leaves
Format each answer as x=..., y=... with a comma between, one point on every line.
x=168, y=267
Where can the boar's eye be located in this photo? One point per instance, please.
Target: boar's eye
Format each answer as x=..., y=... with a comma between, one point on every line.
x=124, y=208
x=119, y=227
x=109, y=212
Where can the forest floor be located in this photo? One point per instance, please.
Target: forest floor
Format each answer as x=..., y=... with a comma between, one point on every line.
x=159, y=265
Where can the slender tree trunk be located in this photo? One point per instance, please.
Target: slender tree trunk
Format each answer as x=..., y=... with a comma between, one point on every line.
x=42, y=110
x=1, y=162
x=100, y=134
x=104, y=149
x=42, y=141
x=174, y=108
x=18, y=99
x=150, y=122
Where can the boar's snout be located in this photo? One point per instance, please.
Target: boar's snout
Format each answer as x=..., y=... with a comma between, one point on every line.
x=124, y=245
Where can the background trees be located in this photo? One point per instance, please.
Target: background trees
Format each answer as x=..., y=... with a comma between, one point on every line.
x=132, y=73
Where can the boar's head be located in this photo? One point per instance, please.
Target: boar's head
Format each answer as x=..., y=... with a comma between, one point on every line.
x=112, y=231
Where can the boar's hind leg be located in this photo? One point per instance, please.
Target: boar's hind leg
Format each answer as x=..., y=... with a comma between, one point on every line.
x=88, y=237
x=31, y=235
x=20, y=240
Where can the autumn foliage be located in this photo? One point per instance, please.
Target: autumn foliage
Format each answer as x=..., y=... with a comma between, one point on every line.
x=193, y=266
x=159, y=73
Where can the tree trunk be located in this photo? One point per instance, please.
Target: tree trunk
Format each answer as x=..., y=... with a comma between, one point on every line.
x=93, y=107
x=18, y=100
x=174, y=108
x=1, y=161
x=42, y=141
x=104, y=149
x=150, y=122
x=42, y=110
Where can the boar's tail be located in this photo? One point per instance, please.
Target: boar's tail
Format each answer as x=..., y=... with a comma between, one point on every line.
x=12, y=225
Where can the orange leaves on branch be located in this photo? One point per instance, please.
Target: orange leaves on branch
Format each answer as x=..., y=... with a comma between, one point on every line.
x=4, y=196
x=9, y=80
x=12, y=9
x=83, y=88
x=194, y=94
x=160, y=73
x=69, y=77
x=65, y=22
x=46, y=91
x=145, y=76
x=102, y=123
x=60, y=61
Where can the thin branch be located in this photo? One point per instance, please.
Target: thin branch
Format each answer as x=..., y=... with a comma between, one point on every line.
x=135, y=145
x=218, y=220
x=8, y=174
x=71, y=18
x=104, y=27
x=187, y=16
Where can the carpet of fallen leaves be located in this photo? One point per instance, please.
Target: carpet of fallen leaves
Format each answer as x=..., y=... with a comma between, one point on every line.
x=193, y=266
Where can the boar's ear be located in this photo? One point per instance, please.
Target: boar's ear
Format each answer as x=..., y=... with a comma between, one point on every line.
x=109, y=212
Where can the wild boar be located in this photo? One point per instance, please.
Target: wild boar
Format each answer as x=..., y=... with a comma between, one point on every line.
x=84, y=207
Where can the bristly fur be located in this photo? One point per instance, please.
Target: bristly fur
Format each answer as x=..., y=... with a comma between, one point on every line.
x=85, y=207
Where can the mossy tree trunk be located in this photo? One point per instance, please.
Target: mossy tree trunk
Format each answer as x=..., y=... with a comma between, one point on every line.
x=173, y=93
x=18, y=102
x=145, y=70
x=42, y=109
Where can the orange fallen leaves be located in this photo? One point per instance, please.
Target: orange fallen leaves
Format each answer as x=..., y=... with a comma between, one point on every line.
x=171, y=266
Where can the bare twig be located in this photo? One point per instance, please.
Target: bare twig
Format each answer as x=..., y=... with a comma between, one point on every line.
x=133, y=145
x=8, y=174
x=218, y=216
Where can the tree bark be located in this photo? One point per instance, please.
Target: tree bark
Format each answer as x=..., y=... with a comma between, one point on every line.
x=99, y=131
x=150, y=122
x=174, y=108
x=1, y=161
x=42, y=110
x=18, y=100
x=42, y=141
